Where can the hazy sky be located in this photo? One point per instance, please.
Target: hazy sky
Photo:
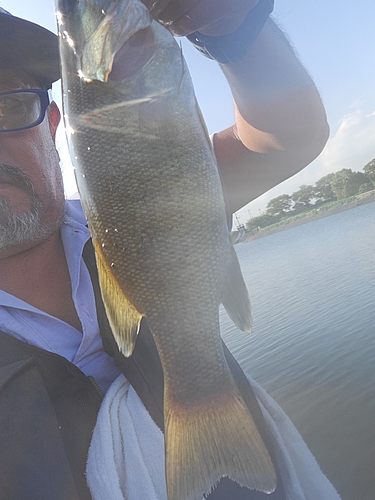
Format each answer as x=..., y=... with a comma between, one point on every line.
x=336, y=42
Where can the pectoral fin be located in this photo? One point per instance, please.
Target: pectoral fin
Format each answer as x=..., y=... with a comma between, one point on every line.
x=235, y=297
x=123, y=316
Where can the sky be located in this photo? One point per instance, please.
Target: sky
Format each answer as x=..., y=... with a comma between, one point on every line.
x=335, y=41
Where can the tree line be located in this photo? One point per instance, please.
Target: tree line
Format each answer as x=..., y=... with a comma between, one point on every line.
x=337, y=186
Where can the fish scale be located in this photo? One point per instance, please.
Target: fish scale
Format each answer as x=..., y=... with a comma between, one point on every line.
x=151, y=192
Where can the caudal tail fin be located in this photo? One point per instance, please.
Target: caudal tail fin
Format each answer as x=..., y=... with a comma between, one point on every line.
x=211, y=440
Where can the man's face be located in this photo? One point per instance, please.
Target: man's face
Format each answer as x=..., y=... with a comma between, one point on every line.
x=31, y=187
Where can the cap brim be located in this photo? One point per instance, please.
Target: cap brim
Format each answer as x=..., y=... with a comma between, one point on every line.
x=27, y=46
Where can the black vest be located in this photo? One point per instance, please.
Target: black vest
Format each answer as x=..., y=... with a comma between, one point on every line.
x=48, y=410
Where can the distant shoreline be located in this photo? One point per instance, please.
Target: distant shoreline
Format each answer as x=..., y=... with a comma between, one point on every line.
x=305, y=220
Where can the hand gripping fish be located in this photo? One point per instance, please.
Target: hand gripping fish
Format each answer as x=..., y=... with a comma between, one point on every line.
x=151, y=192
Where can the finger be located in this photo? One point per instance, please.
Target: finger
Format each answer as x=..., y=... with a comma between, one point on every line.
x=177, y=11
x=209, y=17
x=155, y=6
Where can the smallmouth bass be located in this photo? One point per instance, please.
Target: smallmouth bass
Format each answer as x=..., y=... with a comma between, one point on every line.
x=151, y=192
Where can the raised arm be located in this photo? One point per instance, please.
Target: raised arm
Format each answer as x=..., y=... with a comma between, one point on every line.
x=281, y=124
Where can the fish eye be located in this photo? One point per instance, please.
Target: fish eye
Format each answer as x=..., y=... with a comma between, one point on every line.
x=66, y=6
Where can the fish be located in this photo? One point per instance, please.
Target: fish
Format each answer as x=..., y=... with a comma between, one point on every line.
x=152, y=195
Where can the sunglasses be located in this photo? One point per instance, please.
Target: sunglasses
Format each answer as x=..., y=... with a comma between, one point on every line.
x=22, y=109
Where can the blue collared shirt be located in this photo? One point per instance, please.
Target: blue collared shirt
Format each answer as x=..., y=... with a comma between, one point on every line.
x=31, y=325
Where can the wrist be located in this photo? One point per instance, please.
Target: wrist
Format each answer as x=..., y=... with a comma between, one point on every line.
x=234, y=46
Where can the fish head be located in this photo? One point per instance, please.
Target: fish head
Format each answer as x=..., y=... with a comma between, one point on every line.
x=93, y=31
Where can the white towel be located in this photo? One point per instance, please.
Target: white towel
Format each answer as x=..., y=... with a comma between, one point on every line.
x=126, y=456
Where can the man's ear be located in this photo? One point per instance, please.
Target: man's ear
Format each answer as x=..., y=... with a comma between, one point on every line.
x=54, y=118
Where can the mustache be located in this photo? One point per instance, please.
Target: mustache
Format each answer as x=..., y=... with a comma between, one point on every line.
x=17, y=177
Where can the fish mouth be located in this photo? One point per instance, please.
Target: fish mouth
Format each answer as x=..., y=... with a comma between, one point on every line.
x=134, y=55
x=119, y=24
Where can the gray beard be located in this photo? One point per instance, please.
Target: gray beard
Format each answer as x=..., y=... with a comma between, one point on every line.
x=17, y=227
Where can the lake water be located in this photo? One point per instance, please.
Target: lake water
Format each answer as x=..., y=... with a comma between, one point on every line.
x=313, y=342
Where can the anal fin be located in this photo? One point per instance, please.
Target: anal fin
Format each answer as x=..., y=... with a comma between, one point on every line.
x=123, y=316
x=235, y=297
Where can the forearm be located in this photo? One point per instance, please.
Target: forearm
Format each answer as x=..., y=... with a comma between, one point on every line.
x=280, y=119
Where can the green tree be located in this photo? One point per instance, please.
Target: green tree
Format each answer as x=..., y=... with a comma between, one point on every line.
x=280, y=205
x=323, y=189
x=347, y=183
x=369, y=170
x=260, y=222
x=364, y=188
x=303, y=197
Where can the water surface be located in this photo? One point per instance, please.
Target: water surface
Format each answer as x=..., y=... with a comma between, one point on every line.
x=313, y=343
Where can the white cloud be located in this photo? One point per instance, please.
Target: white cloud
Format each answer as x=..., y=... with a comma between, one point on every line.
x=352, y=146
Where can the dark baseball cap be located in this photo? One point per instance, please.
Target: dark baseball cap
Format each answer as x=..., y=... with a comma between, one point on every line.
x=30, y=47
